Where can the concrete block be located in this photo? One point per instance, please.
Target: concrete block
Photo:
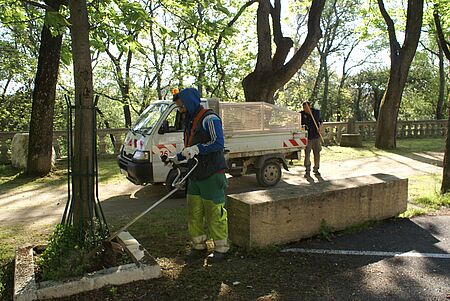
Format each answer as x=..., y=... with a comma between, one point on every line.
x=283, y=215
x=19, y=151
x=351, y=140
x=24, y=279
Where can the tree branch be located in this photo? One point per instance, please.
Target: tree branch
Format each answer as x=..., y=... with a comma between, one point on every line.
x=109, y=97
x=313, y=36
x=428, y=49
x=413, y=26
x=284, y=44
x=443, y=43
x=40, y=5
x=264, y=59
x=394, y=45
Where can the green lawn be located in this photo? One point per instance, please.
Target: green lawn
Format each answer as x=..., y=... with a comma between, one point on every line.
x=424, y=195
x=11, y=178
x=405, y=146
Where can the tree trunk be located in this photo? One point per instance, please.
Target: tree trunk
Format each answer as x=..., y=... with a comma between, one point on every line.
x=440, y=103
x=377, y=97
x=390, y=104
x=127, y=115
x=324, y=108
x=357, y=107
x=445, y=185
x=401, y=58
x=83, y=168
x=39, y=161
x=260, y=87
x=444, y=47
x=317, y=82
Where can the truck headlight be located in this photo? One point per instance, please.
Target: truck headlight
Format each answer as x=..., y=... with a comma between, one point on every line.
x=141, y=156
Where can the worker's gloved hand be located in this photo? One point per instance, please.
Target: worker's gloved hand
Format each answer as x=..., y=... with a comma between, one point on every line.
x=190, y=152
x=169, y=160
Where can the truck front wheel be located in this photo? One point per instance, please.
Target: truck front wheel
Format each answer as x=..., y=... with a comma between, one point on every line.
x=269, y=174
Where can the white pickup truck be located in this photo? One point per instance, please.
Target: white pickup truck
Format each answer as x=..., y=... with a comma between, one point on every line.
x=259, y=138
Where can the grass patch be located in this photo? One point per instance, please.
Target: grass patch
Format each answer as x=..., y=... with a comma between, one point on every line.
x=162, y=231
x=359, y=228
x=419, y=145
x=434, y=201
x=424, y=195
x=404, y=146
x=13, y=236
x=12, y=178
x=412, y=212
x=7, y=280
x=326, y=231
x=10, y=238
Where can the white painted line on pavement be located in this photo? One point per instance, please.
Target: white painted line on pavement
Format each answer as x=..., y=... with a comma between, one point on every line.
x=368, y=253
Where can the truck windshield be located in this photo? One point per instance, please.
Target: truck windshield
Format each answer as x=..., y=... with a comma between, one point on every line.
x=149, y=117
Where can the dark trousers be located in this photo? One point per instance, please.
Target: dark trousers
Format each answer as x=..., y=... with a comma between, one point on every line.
x=316, y=146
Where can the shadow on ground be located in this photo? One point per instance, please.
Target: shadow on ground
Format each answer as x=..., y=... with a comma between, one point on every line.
x=267, y=274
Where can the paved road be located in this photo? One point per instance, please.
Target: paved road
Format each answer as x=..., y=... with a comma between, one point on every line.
x=37, y=207
x=371, y=277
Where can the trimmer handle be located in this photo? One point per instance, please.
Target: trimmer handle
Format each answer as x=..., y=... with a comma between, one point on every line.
x=178, y=182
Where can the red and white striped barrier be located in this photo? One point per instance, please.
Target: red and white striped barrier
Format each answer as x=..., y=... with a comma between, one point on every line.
x=298, y=142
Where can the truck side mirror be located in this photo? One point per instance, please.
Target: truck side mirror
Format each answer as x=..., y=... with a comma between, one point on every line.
x=164, y=127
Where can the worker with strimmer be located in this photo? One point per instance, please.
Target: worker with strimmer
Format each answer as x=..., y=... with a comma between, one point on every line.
x=204, y=140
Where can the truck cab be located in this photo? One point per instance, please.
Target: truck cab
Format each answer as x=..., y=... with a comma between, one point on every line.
x=157, y=131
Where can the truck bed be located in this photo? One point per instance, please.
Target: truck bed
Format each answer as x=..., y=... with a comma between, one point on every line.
x=246, y=145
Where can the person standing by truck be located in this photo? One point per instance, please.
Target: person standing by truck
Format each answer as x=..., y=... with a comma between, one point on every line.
x=312, y=121
x=204, y=139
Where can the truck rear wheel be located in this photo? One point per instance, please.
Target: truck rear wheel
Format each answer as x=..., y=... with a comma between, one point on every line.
x=169, y=181
x=269, y=174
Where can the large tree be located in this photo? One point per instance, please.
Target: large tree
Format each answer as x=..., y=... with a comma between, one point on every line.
x=44, y=93
x=401, y=57
x=272, y=71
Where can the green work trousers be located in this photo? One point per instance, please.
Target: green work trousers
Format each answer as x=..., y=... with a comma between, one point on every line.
x=206, y=205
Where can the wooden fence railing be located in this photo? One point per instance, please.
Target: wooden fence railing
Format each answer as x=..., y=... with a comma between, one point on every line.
x=110, y=140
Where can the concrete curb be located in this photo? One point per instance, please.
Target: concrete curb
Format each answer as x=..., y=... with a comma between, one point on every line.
x=26, y=288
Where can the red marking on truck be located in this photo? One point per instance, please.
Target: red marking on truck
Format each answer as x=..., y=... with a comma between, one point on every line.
x=164, y=149
x=295, y=142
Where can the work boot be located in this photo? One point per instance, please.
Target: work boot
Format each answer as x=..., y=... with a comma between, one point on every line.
x=216, y=257
x=195, y=255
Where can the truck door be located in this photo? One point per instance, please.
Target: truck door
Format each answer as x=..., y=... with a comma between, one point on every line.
x=168, y=140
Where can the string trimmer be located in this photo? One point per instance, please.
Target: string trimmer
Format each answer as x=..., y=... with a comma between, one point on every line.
x=177, y=184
